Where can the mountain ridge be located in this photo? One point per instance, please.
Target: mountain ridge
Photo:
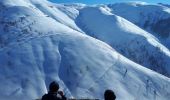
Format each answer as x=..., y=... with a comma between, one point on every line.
x=36, y=50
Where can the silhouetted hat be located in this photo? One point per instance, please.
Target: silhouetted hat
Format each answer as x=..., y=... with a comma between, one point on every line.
x=109, y=95
x=54, y=86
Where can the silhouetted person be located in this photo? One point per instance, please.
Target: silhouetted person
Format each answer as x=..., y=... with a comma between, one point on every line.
x=53, y=93
x=109, y=95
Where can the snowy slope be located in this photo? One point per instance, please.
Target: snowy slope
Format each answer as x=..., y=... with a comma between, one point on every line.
x=153, y=18
x=128, y=39
x=38, y=47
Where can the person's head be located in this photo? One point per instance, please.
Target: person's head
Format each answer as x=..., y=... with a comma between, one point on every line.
x=54, y=86
x=109, y=95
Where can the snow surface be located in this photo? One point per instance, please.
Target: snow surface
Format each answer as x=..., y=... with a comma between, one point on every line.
x=41, y=42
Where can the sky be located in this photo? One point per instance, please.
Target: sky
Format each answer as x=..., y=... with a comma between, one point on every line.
x=107, y=1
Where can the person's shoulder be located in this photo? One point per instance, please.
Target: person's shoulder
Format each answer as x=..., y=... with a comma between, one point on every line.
x=50, y=96
x=45, y=96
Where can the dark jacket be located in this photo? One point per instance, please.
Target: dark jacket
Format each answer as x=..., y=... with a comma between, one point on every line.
x=53, y=96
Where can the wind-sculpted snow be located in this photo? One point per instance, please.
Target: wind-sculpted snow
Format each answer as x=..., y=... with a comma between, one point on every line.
x=37, y=47
x=84, y=70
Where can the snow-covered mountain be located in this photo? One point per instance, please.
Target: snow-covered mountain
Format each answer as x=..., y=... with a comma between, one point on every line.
x=82, y=47
x=154, y=18
x=128, y=39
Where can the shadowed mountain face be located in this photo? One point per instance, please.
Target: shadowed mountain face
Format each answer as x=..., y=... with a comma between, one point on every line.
x=167, y=5
x=162, y=28
x=86, y=49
